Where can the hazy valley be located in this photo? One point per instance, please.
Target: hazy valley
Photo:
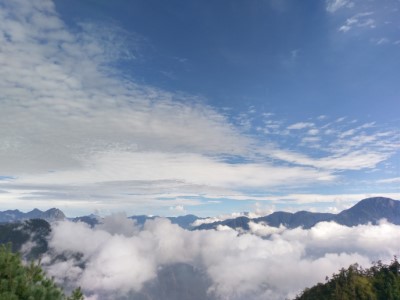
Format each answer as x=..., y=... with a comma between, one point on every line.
x=139, y=257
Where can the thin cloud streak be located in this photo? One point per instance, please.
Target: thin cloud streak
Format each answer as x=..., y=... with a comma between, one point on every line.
x=334, y=5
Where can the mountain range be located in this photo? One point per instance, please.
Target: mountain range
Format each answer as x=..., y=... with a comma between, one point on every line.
x=370, y=210
x=181, y=280
x=10, y=216
x=183, y=221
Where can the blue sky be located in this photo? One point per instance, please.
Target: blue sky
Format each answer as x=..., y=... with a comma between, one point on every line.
x=204, y=107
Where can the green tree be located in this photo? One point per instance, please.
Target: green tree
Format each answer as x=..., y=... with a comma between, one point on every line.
x=27, y=282
x=380, y=282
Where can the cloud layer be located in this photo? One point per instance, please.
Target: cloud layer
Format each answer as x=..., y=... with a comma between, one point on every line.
x=119, y=259
x=78, y=133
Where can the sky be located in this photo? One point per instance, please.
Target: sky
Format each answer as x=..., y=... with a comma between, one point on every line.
x=201, y=107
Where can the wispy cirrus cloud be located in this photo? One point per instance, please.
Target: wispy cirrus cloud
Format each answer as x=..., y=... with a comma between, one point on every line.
x=300, y=125
x=338, y=145
x=68, y=105
x=371, y=19
x=334, y=5
x=390, y=180
x=361, y=20
x=354, y=160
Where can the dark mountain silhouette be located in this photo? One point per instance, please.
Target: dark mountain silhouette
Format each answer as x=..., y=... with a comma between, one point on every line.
x=53, y=214
x=141, y=219
x=240, y=222
x=10, y=216
x=18, y=233
x=183, y=221
x=369, y=210
x=305, y=219
x=91, y=220
x=34, y=214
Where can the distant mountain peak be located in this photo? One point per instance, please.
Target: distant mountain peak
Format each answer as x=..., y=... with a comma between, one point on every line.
x=12, y=211
x=53, y=214
x=369, y=210
x=53, y=210
x=377, y=201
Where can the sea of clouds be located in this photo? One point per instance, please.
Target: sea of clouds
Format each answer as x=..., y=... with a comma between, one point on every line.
x=119, y=260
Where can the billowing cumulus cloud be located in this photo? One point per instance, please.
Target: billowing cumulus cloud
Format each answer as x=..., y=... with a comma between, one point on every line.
x=272, y=263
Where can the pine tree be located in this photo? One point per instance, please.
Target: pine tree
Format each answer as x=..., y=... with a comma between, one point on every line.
x=27, y=282
x=380, y=282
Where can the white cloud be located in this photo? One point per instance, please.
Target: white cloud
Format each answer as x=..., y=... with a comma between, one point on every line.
x=261, y=229
x=186, y=167
x=347, y=133
x=143, y=179
x=60, y=92
x=80, y=121
x=125, y=177
x=178, y=209
x=118, y=223
x=313, y=131
x=351, y=146
x=300, y=125
x=341, y=119
x=259, y=210
x=334, y=5
x=239, y=266
x=382, y=41
x=344, y=28
x=390, y=180
x=361, y=20
x=88, y=138
x=209, y=220
x=310, y=139
x=356, y=160
x=291, y=202
x=338, y=199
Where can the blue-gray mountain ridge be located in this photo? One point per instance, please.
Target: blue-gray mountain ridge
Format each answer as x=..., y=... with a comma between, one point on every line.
x=10, y=216
x=370, y=210
x=182, y=281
